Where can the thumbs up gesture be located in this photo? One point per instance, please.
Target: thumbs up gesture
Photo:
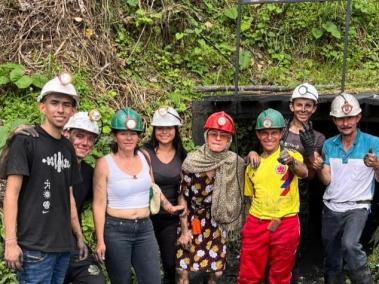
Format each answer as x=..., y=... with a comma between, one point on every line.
x=370, y=159
x=316, y=161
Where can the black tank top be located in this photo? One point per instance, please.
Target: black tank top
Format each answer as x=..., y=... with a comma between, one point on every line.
x=167, y=176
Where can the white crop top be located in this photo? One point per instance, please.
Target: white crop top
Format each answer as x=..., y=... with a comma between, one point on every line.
x=125, y=191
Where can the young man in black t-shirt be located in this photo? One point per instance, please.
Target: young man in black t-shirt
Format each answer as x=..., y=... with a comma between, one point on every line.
x=39, y=207
x=82, y=131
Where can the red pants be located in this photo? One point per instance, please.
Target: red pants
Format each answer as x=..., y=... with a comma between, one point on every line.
x=261, y=247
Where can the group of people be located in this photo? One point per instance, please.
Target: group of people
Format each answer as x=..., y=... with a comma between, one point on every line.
x=203, y=197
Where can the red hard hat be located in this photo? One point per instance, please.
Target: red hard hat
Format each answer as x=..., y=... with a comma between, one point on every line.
x=220, y=121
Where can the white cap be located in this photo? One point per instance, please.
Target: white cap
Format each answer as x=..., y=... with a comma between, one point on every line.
x=345, y=105
x=166, y=116
x=305, y=91
x=85, y=121
x=60, y=85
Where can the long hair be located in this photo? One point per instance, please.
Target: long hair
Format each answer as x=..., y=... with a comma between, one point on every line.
x=114, y=146
x=153, y=143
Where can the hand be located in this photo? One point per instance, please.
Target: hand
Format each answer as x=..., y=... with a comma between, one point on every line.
x=28, y=130
x=285, y=158
x=185, y=240
x=174, y=209
x=254, y=159
x=317, y=162
x=13, y=255
x=307, y=138
x=83, y=250
x=100, y=252
x=371, y=160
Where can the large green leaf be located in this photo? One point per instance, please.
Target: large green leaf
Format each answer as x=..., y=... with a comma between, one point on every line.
x=39, y=80
x=245, y=60
x=231, y=13
x=317, y=33
x=246, y=25
x=4, y=80
x=331, y=28
x=24, y=82
x=16, y=74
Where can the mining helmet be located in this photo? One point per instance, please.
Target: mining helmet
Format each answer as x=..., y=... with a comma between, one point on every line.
x=305, y=91
x=270, y=118
x=127, y=119
x=220, y=121
x=345, y=105
x=61, y=84
x=84, y=120
x=166, y=116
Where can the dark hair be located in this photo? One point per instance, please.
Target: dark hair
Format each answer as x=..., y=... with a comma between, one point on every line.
x=114, y=146
x=153, y=143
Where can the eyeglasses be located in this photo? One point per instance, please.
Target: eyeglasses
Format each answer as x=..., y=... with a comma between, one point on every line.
x=303, y=90
x=221, y=134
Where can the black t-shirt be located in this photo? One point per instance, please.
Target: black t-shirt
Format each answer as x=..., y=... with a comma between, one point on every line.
x=83, y=190
x=167, y=176
x=49, y=167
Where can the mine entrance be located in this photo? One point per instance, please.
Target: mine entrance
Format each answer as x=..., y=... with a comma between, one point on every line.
x=245, y=109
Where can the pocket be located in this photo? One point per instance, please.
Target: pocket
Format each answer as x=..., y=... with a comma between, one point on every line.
x=33, y=256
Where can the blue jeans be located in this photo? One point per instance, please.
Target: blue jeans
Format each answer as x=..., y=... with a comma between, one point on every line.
x=131, y=243
x=43, y=267
x=341, y=232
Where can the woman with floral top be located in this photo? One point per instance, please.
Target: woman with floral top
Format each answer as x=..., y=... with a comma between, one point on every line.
x=212, y=178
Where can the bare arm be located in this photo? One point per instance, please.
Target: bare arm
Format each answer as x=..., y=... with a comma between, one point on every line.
x=324, y=174
x=299, y=168
x=75, y=225
x=13, y=253
x=186, y=234
x=99, y=205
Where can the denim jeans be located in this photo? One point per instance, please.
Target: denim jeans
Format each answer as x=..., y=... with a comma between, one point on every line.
x=43, y=267
x=341, y=232
x=131, y=243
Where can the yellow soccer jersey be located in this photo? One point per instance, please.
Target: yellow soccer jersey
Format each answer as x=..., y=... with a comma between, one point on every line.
x=273, y=188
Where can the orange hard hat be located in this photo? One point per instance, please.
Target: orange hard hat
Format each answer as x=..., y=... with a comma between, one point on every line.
x=220, y=121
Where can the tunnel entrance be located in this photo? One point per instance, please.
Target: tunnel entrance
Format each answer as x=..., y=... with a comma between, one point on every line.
x=244, y=109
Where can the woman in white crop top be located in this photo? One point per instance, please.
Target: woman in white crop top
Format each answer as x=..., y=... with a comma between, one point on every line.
x=122, y=181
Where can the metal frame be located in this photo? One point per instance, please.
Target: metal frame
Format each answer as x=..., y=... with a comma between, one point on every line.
x=254, y=2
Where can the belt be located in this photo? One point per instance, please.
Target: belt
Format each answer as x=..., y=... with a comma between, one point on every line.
x=368, y=201
x=269, y=220
x=118, y=219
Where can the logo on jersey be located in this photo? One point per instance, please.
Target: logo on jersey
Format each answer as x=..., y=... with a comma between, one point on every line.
x=280, y=169
x=287, y=178
x=57, y=161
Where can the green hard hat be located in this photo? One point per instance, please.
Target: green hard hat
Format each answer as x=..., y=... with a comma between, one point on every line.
x=127, y=119
x=270, y=118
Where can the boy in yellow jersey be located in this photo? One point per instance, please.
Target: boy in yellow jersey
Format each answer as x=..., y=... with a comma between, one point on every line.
x=271, y=233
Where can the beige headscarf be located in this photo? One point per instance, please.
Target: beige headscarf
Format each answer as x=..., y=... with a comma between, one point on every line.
x=227, y=195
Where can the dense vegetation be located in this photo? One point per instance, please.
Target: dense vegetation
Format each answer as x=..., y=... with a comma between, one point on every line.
x=158, y=51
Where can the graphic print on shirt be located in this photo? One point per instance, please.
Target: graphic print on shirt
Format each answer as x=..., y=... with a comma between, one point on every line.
x=57, y=161
x=46, y=195
x=286, y=185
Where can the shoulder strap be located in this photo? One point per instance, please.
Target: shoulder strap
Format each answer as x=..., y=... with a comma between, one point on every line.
x=147, y=157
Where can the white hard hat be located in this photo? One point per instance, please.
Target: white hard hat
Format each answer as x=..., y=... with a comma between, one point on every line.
x=345, y=105
x=60, y=85
x=85, y=121
x=166, y=116
x=305, y=91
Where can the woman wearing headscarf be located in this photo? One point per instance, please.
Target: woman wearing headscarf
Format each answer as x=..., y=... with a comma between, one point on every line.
x=166, y=154
x=122, y=181
x=211, y=191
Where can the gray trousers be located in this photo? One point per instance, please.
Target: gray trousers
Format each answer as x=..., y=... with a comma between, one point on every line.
x=341, y=232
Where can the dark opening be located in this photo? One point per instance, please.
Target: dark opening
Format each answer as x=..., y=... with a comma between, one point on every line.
x=245, y=108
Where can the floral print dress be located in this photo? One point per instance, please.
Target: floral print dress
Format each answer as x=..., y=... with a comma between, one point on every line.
x=208, y=249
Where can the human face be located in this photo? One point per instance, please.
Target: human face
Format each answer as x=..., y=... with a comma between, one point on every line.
x=57, y=109
x=347, y=125
x=126, y=140
x=269, y=139
x=165, y=134
x=303, y=109
x=217, y=140
x=82, y=140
